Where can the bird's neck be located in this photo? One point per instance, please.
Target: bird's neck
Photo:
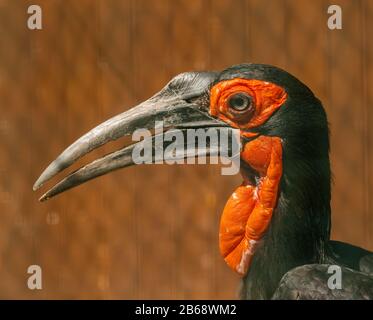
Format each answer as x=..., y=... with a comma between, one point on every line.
x=299, y=228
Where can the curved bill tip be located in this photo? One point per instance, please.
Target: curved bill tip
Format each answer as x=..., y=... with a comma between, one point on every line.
x=47, y=174
x=37, y=185
x=39, y=182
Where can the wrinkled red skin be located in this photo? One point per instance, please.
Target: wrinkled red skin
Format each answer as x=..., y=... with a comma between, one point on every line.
x=248, y=211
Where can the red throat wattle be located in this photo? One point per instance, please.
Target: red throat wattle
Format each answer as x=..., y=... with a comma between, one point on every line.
x=248, y=211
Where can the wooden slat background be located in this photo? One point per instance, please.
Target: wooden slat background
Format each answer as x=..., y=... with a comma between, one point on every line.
x=152, y=232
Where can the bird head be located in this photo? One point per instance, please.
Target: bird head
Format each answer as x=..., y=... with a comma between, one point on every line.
x=283, y=131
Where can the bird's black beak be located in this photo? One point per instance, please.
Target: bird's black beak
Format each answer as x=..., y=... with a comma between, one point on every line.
x=181, y=104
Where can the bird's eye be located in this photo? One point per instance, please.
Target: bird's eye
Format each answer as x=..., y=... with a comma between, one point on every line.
x=240, y=101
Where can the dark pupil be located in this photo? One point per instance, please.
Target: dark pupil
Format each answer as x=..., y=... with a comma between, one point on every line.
x=239, y=102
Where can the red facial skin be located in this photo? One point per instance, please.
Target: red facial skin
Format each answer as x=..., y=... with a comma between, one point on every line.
x=248, y=211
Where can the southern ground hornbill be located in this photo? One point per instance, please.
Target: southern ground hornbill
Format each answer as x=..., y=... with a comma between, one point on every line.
x=275, y=227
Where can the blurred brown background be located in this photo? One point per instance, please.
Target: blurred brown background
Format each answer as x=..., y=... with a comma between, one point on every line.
x=152, y=232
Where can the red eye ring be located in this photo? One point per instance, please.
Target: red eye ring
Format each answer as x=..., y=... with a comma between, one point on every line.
x=267, y=98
